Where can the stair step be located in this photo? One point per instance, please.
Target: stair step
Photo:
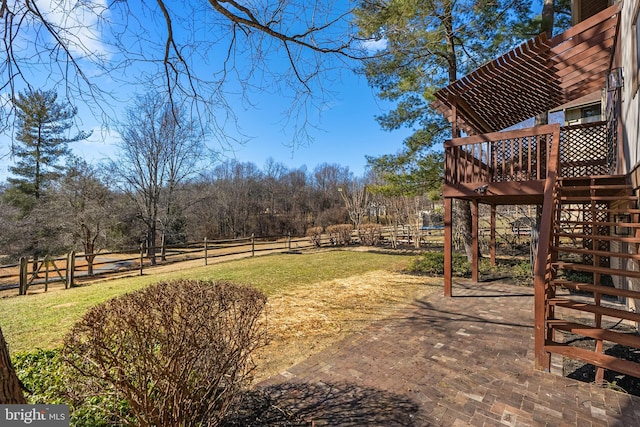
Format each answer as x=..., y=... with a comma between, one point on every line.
x=606, y=237
x=594, y=269
x=597, y=180
x=622, y=338
x=592, y=308
x=602, y=224
x=589, y=287
x=597, y=359
x=595, y=177
x=600, y=253
x=596, y=191
x=596, y=187
x=596, y=198
x=608, y=210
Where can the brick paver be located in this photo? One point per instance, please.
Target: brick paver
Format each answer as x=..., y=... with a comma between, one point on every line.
x=466, y=360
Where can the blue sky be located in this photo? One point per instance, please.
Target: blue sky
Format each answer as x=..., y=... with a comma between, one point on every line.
x=344, y=133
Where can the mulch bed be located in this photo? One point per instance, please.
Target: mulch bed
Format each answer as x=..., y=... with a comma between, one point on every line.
x=580, y=371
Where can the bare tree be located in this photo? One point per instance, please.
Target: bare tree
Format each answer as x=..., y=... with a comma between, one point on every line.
x=326, y=202
x=87, y=207
x=157, y=152
x=191, y=49
x=236, y=197
x=356, y=199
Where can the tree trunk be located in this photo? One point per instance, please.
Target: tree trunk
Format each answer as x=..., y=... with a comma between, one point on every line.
x=90, y=259
x=10, y=390
x=151, y=244
x=546, y=26
x=462, y=207
x=462, y=214
x=163, y=244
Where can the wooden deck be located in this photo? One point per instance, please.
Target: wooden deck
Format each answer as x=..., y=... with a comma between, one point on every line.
x=588, y=216
x=509, y=168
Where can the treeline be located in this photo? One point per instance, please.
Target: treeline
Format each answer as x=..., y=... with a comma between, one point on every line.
x=160, y=189
x=81, y=210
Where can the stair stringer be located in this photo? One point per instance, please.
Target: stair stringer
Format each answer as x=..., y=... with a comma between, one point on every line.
x=582, y=257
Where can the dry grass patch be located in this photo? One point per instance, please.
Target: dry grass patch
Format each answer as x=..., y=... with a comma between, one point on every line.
x=311, y=318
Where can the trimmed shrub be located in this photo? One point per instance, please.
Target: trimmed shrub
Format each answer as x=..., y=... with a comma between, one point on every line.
x=432, y=263
x=370, y=234
x=315, y=236
x=178, y=353
x=340, y=234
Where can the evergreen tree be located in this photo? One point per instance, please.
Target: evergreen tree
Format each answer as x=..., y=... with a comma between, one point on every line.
x=427, y=45
x=40, y=143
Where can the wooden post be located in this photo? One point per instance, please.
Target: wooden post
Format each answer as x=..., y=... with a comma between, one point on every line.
x=66, y=270
x=492, y=244
x=253, y=244
x=206, y=253
x=289, y=241
x=141, y=257
x=541, y=275
x=453, y=100
x=71, y=267
x=448, y=247
x=24, y=266
x=597, y=297
x=47, y=261
x=475, y=244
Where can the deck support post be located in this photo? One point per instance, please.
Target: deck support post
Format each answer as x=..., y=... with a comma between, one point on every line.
x=492, y=231
x=448, y=247
x=475, y=244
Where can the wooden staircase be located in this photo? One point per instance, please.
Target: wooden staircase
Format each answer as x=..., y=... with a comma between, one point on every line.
x=595, y=223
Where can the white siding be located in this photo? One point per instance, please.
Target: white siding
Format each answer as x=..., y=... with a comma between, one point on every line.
x=631, y=96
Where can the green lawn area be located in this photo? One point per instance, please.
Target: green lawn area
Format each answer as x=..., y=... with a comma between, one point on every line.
x=41, y=320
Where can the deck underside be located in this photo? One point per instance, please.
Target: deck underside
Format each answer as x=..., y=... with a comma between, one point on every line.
x=498, y=193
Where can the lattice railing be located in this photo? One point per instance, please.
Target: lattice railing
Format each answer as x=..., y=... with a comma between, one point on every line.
x=612, y=113
x=522, y=155
x=517, y=155
x=584, y=150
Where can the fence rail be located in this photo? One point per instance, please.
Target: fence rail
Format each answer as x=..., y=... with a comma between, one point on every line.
x=76, y=268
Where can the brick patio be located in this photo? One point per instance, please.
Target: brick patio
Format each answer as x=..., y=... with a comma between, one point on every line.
x=446, y=362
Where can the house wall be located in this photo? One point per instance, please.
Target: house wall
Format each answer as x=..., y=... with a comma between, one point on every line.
x=628, y=58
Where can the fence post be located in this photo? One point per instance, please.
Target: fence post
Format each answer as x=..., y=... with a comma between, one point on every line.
x=253, y=244
x=71, y=267
x=206, y=255
x=66, y=271
x=24, y=265
x=141, y=257
x=289, y=241
x=47, y=261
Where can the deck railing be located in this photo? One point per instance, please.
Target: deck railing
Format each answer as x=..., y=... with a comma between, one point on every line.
x=584, y=150
x=523, y=154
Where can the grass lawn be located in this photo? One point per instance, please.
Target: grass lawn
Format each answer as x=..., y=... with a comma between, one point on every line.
x=328, y=290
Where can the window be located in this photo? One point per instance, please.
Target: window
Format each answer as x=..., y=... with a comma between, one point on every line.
x=592, y=112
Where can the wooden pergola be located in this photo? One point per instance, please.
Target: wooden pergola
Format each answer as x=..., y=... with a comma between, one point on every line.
x=533, y=78
x=511, y=167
